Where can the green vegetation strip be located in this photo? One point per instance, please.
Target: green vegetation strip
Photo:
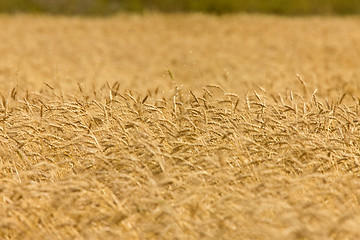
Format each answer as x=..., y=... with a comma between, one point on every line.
x=105, y=7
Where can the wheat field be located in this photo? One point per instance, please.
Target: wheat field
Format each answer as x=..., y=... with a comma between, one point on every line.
x=179, y=127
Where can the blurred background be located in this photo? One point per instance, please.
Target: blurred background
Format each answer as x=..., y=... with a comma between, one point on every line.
x=108, y=7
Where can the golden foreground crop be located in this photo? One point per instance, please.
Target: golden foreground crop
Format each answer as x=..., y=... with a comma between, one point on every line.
x=179, y=127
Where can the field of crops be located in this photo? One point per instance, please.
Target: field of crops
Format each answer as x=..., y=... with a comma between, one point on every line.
x=179, y=127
